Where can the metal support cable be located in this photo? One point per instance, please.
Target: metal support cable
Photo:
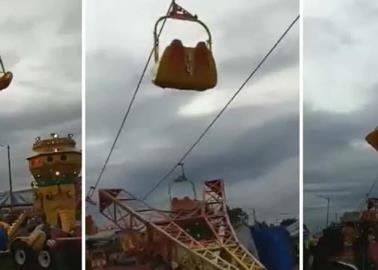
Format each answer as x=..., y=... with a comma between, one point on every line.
x=92, y=189
x=367, y=195
x=372, y=187
x=2, y=65
x=262, y=61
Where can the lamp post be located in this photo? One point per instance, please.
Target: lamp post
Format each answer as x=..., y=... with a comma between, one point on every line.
x=9, y=174
x=328, y=203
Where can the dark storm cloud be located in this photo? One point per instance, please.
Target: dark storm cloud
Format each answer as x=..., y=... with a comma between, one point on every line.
x=331, y=34
x=337, y=161
x=253, y=146
x=253, y=150
x=340, y=91
x=40, y=42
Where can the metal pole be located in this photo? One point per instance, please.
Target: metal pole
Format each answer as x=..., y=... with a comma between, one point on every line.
x=10, y=177
x=328, y=205
x=2, y=65
x=328, y=199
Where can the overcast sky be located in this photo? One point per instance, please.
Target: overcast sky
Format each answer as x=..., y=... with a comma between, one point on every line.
x=341, y=96
x=40, y=42
x=253, y=147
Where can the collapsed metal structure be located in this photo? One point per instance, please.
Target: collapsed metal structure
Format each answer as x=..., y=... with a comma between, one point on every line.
x=148, y=227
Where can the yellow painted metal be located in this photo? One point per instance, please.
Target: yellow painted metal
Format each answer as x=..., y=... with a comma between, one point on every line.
x=67, y=219
x=208, y=256
x=242, y=257
x=56, y=158
x=37, y=238
x=218, y=221
x=56, y=167
x=186, y=68
x=5, y=80
x=13, y=228
x=222, y=252
x=56, y=200
x=5, y=226
x=372, y=139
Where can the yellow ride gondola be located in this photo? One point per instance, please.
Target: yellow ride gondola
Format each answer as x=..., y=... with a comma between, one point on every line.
x=372, y=138
x=184, y=68
x=5, y=76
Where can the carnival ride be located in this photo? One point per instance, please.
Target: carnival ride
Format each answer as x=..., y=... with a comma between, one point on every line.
x=48, y=231
x=352, y=245
x=370, y=215
x=5, y=76
x=193, y=233
x=371, y=212
x=363, y=233
x=172, y=231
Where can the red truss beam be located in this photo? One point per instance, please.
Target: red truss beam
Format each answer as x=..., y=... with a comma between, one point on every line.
x=130, y=213
x=215, y=212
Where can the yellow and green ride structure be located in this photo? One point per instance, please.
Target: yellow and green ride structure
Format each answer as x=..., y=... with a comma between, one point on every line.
x=47, y=234
x=55, y=168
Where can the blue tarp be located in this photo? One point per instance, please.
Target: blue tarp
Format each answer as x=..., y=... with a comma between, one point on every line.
x=274, y=247
x=3, y=240
x=19, y=197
